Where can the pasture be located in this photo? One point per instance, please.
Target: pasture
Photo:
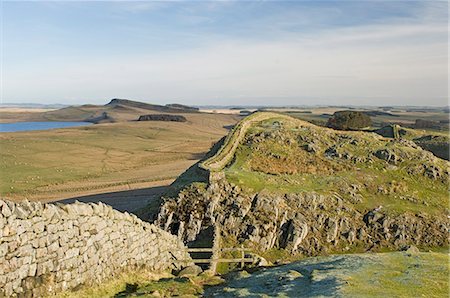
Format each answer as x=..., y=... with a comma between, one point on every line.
x=64, y=163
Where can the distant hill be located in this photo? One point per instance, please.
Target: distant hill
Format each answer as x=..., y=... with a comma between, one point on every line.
x=170, y=108
x=182, y=107
x=117, y=110
x=33, y=105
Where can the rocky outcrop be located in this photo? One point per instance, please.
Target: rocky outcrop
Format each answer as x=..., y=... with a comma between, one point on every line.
x=438, y=145
x=306, y=223
x=46, y=248
x=162, y=117
x=103, y=118
x=391, y=131
x=312, y=190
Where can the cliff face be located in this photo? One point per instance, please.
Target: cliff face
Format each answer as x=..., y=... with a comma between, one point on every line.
x=308, y=223
x=286, y=184
x=438, y=145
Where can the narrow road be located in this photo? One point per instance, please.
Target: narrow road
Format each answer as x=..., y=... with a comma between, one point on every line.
x=129, y=200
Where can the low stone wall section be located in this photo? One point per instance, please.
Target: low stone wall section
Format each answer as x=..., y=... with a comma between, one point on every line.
x=47, y=248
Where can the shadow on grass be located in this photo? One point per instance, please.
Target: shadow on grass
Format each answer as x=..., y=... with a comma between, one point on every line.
x=128, y=200
x=293, y=280
x=165, y=287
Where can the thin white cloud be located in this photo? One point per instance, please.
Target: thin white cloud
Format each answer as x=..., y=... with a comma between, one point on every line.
x=395, y=63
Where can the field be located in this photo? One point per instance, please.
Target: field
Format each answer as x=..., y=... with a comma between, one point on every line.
x=8, y=115
x=403, y=116
x=64, y=163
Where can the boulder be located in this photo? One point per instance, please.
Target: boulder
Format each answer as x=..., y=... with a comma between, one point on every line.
x=410, y=249
x=193, y=270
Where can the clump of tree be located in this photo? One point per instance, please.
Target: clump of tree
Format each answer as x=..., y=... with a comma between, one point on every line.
x=349, y=120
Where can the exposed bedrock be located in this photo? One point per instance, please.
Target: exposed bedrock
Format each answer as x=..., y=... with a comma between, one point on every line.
x=305, y=223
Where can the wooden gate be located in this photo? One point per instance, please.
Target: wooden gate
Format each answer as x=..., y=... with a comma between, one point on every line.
x=242, y=259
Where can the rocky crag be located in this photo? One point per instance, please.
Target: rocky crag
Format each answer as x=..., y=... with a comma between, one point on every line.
x=438, y=144
x=284, y=184
x=47, y=248
x=162, y=117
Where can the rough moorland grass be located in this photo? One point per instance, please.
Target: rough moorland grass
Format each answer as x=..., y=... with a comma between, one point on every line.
x=226, y=152
x=397, y=274
x=115, y=285
x=146, y=284
x=402, y=275
x=434, y=194
x=377, y=182
x=36, y=164
x=175, y=287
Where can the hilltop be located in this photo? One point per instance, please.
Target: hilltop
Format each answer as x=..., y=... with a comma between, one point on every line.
x=134, y=159
x=286, y=187
x=117, y=110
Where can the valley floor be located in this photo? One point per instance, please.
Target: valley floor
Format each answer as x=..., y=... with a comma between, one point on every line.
x=106, y=158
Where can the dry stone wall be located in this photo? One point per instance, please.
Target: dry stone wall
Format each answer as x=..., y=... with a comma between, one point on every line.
x=47, y=248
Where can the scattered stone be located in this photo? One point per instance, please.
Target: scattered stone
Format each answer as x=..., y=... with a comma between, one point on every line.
x=192, y=270
x=387, y=155
x=410, y=249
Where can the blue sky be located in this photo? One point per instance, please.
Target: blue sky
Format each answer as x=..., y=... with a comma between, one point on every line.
x=226, y=53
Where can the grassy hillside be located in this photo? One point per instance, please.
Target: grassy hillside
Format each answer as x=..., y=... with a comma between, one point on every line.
x=117, y=110
x=42, y=165
x=284, y=187
x=365, y=275
x=285, y=155
x=398, y=274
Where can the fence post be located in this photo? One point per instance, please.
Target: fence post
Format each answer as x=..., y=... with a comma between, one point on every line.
x=216, y=249
x=242, y=256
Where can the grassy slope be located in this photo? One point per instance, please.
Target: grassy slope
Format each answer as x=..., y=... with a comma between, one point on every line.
x=367, y=176
x=55, y=163
x=144, y=285
x=226, y=152
x=396, y=274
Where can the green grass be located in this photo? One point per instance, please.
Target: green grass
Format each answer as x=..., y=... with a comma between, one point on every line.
x=167, y=287
x=400, y=275
x=226, y=152
x=397, y=274
x=115, y=285
x=432, y=193
x=144, y=284
x=34, y=164
x=374, y=180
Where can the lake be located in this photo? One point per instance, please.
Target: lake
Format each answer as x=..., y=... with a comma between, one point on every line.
x=27, y=126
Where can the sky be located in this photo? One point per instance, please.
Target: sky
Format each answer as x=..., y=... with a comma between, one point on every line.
x=226, y=52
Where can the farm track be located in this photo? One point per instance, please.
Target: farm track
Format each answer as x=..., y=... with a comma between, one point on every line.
x=110, y=158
